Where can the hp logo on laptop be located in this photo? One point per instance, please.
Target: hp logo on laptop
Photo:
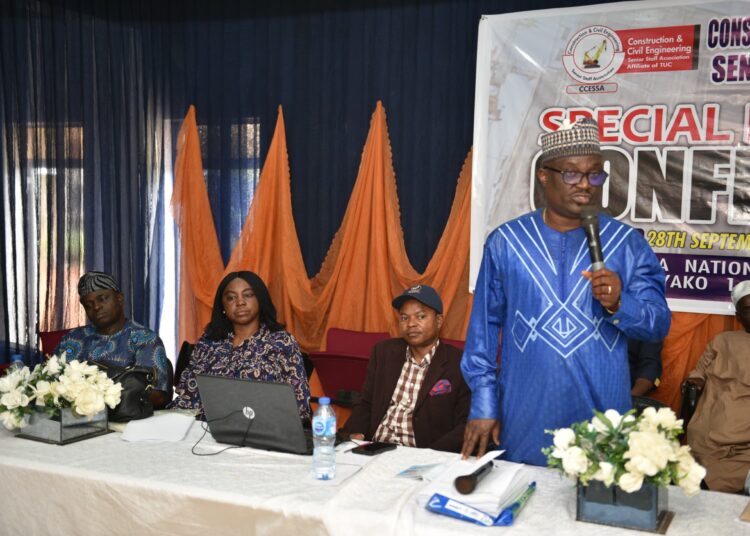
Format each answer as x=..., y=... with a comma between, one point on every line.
x=248, y=412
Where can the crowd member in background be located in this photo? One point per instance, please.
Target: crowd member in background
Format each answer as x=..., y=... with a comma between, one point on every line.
x=719, y=432
x=645, y=366
x=114, y=340
x=414, y=393
x=564, y=348
x=244, y=340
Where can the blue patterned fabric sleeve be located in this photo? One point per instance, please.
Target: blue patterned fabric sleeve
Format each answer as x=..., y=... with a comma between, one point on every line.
x=478, y=364
x=71, y=344
x=186, y=388
x=644, y=313
x=294, y=370
x=134, y=344
x=149, y=351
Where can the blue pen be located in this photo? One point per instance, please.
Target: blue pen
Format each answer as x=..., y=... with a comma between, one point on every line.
x=523, y=499
x=509, y=514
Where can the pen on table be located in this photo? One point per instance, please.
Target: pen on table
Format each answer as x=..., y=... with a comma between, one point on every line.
x=519, y=503
x=510, y=512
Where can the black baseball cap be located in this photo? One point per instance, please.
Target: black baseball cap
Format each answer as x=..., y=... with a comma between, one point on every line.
x=423, y=294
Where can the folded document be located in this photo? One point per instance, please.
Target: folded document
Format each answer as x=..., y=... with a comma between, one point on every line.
x=453, y=508
x=496, y=500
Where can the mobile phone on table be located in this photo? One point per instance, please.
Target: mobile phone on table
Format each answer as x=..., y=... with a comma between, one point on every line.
x=371, y=449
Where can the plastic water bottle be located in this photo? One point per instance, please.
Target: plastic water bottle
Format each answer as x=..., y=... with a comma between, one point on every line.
x=324, y=438
x=16, y=362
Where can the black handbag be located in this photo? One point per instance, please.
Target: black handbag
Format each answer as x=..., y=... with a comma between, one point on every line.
x=135, y=398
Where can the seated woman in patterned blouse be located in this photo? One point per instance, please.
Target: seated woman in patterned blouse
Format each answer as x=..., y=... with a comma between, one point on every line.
x=244, y=340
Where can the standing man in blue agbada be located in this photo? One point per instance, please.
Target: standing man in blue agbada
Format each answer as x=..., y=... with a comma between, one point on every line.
x=112, y=339
x=564, y=327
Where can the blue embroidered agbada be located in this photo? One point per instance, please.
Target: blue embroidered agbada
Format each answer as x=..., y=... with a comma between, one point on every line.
x=562, y=354
x=134, y=344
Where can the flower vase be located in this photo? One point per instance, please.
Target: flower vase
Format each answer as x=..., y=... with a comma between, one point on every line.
x=645, y=509
x=64, y=427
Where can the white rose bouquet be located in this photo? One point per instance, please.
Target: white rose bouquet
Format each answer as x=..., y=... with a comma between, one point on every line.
x=53, y=385
x=625, y=450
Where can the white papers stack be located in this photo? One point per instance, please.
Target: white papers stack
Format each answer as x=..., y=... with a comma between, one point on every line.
x=169, y=426
x=505, y=483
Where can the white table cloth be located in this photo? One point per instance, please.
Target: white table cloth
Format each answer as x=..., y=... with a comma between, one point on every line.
x=108, y=486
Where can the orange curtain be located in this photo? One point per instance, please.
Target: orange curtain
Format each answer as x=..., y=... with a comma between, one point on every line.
x=268, y=244
x=448, y=269
x=200, y=259
x=366, y=264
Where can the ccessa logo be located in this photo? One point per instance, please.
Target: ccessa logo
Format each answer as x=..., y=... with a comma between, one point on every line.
x=593, y=54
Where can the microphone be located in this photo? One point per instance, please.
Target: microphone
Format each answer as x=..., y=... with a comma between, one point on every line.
x=590, y=224
x=465, y=484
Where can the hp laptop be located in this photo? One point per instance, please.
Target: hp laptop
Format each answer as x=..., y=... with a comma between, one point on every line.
x=253, y=413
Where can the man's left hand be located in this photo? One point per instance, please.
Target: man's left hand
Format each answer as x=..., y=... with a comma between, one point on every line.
x=606, y=287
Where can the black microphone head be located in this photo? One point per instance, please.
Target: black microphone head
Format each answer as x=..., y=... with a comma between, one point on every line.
x=590, y=224
x=590, y=214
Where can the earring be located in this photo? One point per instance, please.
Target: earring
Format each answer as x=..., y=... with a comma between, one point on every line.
x=223, y=312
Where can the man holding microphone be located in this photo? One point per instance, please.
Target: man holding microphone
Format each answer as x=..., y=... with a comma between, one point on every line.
x=566, y=303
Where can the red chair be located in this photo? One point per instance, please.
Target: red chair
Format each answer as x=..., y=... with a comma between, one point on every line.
x=454, y=342
x=342, y=367
x=340, y=375
x=50, y=340
x=348, y=342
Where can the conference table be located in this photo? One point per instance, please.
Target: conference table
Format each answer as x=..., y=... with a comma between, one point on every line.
x=105, y=485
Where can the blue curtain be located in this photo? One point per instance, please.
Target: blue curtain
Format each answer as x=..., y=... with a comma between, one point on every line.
x=92, y=92
x=82, y=103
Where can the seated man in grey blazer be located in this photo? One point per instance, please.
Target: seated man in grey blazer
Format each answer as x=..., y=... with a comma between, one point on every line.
x=414, y=392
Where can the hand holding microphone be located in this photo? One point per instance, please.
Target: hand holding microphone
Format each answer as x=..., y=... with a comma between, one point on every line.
x=590, y=224
x=605, y=284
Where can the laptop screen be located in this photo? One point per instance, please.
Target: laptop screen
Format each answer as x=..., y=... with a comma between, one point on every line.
x=252, y=413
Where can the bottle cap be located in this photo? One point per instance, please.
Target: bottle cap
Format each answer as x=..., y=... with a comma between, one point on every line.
x=324, y=401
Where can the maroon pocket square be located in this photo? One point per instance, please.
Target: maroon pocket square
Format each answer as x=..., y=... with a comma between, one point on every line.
x=441, y=387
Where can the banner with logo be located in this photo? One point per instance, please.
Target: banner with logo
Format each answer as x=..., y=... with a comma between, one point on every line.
x=669, y=84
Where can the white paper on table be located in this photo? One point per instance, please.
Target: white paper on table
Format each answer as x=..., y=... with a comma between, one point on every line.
x=165, y=427
x=458, y=467
x=496, y=490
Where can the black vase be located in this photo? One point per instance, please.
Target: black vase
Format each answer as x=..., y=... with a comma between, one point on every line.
x=645, y=509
